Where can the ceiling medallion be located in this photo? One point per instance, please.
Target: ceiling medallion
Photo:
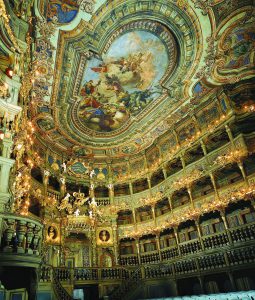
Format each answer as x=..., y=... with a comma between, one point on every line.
x=126, y=80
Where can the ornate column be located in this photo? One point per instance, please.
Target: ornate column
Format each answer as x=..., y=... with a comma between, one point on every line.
x=62, y=181
x=6, y=165
x=190, y=195
x=182, y=160
x=177, y=239
x=93, y=248
x=131, y=188
x=134, y=216
x=91, y=190
x=111, y=192
x=170, y=202
x=7, y=146
x=164, y=172
x=110, y=182
x=46, y=175
x=176, y=138
x=196, y=123
x=158, y=246
x=214, y=185
x=222, y=214
x=149, y=183
x=230, y=135
x=199, y=233
x=240, y=165
x=203, y=147
x=138, y=250
x=115, y=242
x=153, y=213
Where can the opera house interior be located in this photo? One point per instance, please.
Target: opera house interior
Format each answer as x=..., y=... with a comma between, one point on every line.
x=127, y=149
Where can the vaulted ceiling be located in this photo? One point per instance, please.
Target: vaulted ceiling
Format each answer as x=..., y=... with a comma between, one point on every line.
x=115, y=77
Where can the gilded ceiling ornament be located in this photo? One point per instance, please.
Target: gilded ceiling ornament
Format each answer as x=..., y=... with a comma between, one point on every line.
x=107, y=126
x=209, y=60
x=87, y=5
x=43, y=60
x=44, y=28
x=6, y=21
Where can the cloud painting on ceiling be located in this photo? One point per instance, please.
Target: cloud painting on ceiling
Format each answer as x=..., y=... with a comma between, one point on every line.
x=124, y=82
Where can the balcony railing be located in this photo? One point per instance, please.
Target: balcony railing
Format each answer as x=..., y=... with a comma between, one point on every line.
x=228, y=238
x=21, y=235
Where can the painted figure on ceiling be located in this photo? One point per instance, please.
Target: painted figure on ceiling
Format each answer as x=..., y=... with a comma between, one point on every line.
x=62, y=11
x=123, y=82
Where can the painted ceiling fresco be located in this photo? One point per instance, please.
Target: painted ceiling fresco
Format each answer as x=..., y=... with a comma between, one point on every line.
x=123, y=77
x=123, y=82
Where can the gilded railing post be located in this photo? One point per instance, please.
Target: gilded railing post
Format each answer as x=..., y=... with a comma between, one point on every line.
x=30, y=235
x=9, y=234
x=226, y=225
x=21, y=230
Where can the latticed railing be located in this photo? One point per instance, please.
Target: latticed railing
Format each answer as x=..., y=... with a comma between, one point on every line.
x=130, y=284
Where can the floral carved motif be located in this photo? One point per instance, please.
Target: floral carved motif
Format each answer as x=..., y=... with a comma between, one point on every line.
x=87, y=5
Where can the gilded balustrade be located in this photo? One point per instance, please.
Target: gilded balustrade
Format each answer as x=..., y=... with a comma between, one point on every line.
x=21, y=235
x=210, y=261
x=243, y=233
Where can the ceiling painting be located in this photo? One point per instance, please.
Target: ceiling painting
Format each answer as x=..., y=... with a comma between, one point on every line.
x=123, y=82
x=119, y=78
x=62, y=11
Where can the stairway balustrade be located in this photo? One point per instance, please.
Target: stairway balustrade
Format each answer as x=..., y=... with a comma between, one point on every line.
x=62, y=274
x=59, y=290
x=46, y=273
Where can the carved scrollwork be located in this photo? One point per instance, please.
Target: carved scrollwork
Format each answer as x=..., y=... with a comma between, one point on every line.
x=87, y=5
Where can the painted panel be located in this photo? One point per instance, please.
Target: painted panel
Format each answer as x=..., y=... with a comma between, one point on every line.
x=123, y=81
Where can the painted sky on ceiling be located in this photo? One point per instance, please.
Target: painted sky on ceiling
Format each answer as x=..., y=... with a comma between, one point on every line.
x=123, y=82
